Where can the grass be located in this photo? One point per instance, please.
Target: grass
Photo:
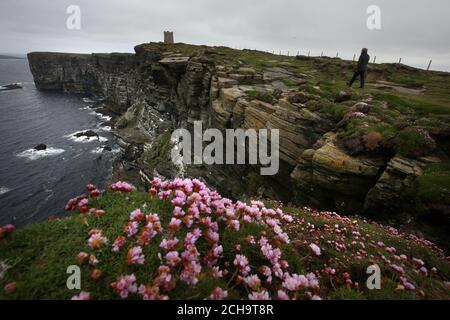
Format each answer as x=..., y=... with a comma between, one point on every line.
x=434, y=185
x=43, y=251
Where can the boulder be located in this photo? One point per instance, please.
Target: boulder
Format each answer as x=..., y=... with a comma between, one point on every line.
x=40, y=147
x=88, y=134
x=342, y=96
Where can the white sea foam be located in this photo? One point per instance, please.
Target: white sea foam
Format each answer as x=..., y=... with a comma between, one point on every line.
x=97, y=150
x=106, y=128
x=32, y=154
x=88, y=100
x=101, y=116
x=4, y=190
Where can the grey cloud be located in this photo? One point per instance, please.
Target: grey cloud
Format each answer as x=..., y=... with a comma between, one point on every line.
x=415, y=30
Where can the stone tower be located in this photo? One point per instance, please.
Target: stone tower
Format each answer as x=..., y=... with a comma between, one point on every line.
x=168, y=37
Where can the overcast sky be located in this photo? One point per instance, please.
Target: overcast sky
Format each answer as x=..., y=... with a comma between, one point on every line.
x=416, y=30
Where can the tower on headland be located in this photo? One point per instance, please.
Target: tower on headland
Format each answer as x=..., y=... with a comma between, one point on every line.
x=168, y=37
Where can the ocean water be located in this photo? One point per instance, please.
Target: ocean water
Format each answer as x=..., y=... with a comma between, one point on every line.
x=35, y=185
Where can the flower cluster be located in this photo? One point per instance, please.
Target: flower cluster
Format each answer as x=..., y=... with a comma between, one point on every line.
x=121, y=187
x=96, y=239
x=125, y=285
x=6, y=230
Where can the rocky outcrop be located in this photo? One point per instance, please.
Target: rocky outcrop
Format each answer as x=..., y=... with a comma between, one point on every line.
x=105, y=75
x=330, y=178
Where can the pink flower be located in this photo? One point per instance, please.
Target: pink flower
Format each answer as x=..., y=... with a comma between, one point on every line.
x=315, y=249
x=93, y=260
x=125, y=285
x=253, y=282
x=121, y=186
x=282, y=295
x=218, y=294
x=168, y=245
x=82, y=257
x=135, y=256
x=241, y=262
x=82, y=296
x=96, y=274
x=175, y=224
x=131, y=228
x=97, y=240
x=263, y=295
x=9, y=229
x=216, y=272
x=137, y=215
x=235, y=225
x=119, y=243
x=295, y=282
x=10, y=288
x=173, y=258
x=397, y=269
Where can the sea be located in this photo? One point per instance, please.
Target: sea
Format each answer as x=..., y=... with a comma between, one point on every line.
x=35, y=185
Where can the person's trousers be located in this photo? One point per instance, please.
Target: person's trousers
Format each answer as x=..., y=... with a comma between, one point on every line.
x=362, y=78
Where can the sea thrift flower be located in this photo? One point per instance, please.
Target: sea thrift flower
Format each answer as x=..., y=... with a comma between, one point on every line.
x=95, y=193
x=119, y=243
x=10, y=288
x=82, y=257
x=137, y=215
x=97, y=240
x=241, y=262
x=217, y=273
x=253, y=282
x=131, y=228
x=82, y=296
x=93, y=260
x=9, y=229
x=315, y=249
x=168, y=245
x=218, y=294
x=263, y=295
x=121, y=186
x=173, y=258
x=96, y=274
x=397, y=269
x=125, y=285
x=282, y=295
x=175, y=224
x=135, y=256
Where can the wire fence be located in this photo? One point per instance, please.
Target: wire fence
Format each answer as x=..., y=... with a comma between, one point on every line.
x=355, y=56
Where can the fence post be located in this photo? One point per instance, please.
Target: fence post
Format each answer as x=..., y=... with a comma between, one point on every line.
x=375, y=59
x=400, y=61
x=354, y=57
x=321, y=55
x=429, y=65
x=337, y=54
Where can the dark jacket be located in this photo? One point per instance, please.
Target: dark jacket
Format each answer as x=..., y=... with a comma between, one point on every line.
x=363, y=61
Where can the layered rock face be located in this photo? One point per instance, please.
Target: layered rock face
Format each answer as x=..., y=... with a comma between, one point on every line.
x=156, y=91
x=107, y=75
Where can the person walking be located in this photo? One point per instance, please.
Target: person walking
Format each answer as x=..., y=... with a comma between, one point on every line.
x=361, y=69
